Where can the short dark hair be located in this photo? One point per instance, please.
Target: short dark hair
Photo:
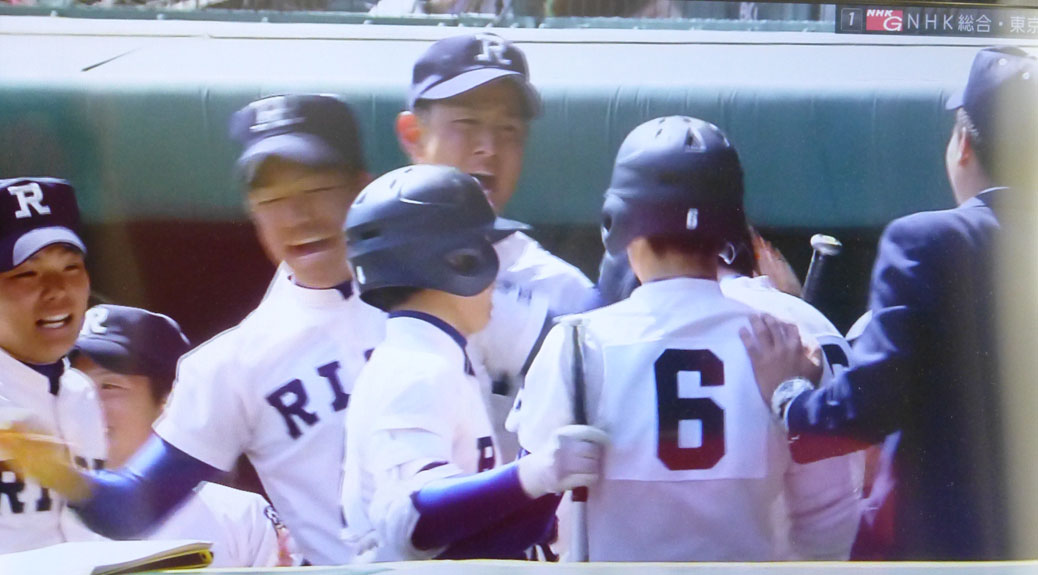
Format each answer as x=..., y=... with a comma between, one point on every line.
x=389, y=298
x=689, y=244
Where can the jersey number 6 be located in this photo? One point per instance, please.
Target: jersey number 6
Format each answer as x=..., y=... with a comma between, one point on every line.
x=672, y=409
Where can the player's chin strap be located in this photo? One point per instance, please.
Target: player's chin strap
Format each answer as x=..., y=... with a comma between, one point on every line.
x=126, y=502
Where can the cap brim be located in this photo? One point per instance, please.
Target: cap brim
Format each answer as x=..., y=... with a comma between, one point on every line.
x=301, y=148
x=955, y=101
x=504, y=227
x=36, y=240
x=474, y=78
x=110, y=355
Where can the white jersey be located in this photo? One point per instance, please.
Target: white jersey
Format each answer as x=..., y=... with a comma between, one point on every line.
x=760, y=294
x=532, y=286
x=31, y=516
x=697, y=466
x=239, y=524
x=417, y=416
x=276, y=388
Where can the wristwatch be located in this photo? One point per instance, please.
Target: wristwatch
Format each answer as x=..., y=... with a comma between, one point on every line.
x=784, y=395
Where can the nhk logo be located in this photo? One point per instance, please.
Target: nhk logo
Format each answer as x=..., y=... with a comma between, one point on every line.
x=884, y=20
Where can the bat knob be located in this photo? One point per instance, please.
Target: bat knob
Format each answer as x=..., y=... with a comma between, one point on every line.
x=826, y=245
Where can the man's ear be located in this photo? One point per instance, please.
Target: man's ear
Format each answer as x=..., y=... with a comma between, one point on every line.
x=409, y=134
x=964, y=152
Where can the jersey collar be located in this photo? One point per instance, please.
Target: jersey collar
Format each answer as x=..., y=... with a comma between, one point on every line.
x=442, y=326
x=50, y=372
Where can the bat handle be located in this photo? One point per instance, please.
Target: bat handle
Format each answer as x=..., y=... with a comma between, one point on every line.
x=578, y=546
x=823, y=249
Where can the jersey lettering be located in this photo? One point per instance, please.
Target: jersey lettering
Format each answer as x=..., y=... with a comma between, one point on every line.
x=11, y=485
x=45, y=502
x=330, y=371
x=485, y=445
x=493, y=50
x=30, y=197
x=290, y=401
x=672, y=409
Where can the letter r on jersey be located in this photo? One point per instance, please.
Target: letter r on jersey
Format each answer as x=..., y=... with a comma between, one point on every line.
x=30, y=198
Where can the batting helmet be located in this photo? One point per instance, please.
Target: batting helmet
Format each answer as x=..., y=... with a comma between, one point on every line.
x=427, y=227
x=674, y=176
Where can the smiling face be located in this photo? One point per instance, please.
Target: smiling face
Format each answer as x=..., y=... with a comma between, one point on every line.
x=42, y=304
x=299, y=214
x=130, y=408
x=481, y=132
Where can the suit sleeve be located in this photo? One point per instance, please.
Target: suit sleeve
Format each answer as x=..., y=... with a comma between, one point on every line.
x=865, y=403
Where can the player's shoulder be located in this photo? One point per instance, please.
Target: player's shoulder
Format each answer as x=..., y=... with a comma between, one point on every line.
x=523, y=254
x=938, y=228
x=762, y=296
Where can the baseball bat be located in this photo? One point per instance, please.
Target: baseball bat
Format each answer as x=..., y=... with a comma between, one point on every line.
x=824, y=249
x=579, y=542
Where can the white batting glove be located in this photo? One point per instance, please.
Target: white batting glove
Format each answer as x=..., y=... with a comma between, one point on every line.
x=573, y=459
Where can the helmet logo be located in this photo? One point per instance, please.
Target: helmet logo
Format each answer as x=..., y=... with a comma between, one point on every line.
x=692, y=219
x=358, y=272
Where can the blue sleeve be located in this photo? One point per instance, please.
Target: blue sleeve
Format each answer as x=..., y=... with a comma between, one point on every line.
x=484, y=515
x=129, y=501
x=867, y=402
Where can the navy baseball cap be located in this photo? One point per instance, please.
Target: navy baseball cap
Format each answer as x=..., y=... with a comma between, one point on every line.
x=132, y=341
x=458, y=64
x=316, y=130
x=36, y=213
x=1001, y=94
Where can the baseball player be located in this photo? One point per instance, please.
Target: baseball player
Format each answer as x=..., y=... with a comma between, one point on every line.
x=131, y=356
x=693, y=450
x=43, y=295
x=470, y=106
x=276, y=386
x=743, y=281
x=422, y=477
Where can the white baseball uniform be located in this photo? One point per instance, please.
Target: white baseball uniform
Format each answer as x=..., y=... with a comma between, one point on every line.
x=760, y=294
x=531, y=285
x=418, y=415
x=697, y=465
x=240, y=525
x=276, y=388
x=31, y=516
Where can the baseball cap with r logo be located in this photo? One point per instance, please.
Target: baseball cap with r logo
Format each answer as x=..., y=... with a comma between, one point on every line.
x=132, y=341
x=455, y=65
x=316, y=130
x=36, y=213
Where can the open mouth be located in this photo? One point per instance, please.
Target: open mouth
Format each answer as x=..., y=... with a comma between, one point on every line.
x=311, y=247
x=488, y=181
x=55, y=321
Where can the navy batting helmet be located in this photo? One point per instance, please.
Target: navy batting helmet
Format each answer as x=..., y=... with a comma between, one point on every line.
x=674, y=176
x=426, y=227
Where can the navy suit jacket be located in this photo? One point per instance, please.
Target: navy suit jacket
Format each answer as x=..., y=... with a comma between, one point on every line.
x=927, y=365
